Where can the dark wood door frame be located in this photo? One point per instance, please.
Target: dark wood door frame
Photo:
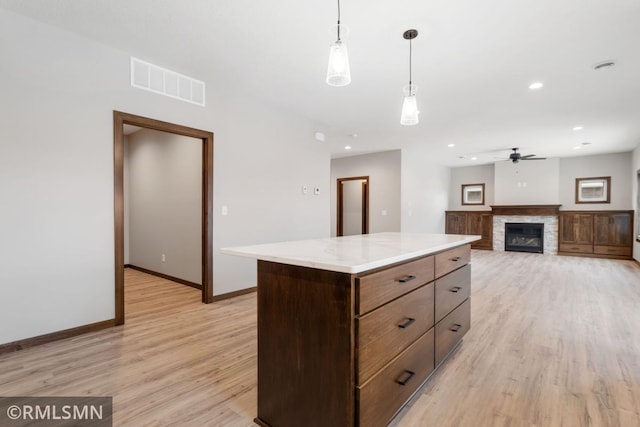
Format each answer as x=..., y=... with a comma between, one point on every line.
x=365, y=204
x=119, y=120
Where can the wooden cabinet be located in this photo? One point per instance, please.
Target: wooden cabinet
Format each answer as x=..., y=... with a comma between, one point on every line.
x=613, y=233
x=456, y=222
x=606, y=234
x=478, y=223
x=351, y=349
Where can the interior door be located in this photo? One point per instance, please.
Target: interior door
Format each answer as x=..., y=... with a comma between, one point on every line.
x=353, y=206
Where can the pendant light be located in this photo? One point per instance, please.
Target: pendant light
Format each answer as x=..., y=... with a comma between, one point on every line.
x=410, y=106
x=338, y=71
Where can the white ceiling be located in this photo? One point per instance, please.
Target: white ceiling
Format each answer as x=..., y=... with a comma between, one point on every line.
x=473, y=62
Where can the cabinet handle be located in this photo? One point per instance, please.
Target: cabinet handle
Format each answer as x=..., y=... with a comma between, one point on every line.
x=455, y=289
x=455, y=328
x=406, y=279
x=456, y=259
x=409, y=321
x=405, y=377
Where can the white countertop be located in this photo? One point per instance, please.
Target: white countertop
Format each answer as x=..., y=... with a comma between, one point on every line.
x=352, y=254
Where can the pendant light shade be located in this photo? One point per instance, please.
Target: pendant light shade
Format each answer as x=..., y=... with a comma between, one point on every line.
x=410, y=110
x=409, y=106
x=338, y=70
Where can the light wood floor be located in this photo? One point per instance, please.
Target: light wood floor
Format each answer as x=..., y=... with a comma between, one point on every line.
x=555, y=341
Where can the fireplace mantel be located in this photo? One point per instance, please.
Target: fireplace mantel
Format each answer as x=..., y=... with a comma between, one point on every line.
x=526, y=210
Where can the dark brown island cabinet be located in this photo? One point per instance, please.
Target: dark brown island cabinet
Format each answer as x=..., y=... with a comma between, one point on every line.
x=604, y=234
x=351, y=347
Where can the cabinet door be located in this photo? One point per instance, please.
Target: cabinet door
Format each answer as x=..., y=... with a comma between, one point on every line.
x=576, y=229
x=456, y=223
x=566, y=233
x=613, y=229
x=481, y=224
x=583, y=224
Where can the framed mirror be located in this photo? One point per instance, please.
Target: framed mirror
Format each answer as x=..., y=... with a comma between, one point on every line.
x=473, y=194
x=593, y=190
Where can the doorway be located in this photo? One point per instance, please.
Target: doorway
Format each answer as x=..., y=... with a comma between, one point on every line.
x=353, y=206
x=119, y=120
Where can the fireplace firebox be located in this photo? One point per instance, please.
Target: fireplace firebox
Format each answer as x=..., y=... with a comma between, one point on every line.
x=524, y=237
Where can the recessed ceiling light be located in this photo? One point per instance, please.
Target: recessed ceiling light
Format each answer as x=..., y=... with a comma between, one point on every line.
x=451, y=145
x=578, y=128
x=577, y=147
x=474, y=158
x=535, y=85
x=347, y=147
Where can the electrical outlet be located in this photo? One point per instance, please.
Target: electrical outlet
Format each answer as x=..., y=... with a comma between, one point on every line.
x=305, y=189
x=316, y=191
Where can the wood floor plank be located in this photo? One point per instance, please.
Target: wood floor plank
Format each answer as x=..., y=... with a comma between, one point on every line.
x=555, y=341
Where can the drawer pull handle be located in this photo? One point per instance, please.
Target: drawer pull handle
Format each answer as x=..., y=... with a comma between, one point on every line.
x=409, y=321
x=406, y=377
x=406, y=279
x=456, y=259
x=456, y=327
x=455, y=289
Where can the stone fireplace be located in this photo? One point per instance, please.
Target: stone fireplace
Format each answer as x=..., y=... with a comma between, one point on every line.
x=526, y=216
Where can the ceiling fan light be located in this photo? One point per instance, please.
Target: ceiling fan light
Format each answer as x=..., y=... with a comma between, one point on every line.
x=410, y=110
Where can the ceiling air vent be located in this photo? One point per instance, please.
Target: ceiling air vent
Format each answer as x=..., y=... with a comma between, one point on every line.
x=166, y=82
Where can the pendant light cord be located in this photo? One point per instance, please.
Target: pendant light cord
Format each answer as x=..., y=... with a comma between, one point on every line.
x=338, y=20
x=410, y=90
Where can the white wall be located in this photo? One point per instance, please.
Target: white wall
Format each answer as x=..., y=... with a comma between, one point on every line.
x=59, y=91
x=635, y=180
x=527, y=182
x=471, y=175
x=425, y=192
x=165, y=203
x=617, y=166
x=383, y=170
x=551, y=181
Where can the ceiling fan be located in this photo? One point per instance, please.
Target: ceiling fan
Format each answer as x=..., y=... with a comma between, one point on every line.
x=515, y=157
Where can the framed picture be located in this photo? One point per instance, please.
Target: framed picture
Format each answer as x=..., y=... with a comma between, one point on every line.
x=593, y=190
x=473, y=194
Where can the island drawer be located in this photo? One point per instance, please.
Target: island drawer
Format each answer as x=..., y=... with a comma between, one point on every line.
x=612, y=250
x=451, y=329
x=381, y=397
x=385, y=332
x=582, y=249
x=377, y=288
x=451, y=290
x=452, y=259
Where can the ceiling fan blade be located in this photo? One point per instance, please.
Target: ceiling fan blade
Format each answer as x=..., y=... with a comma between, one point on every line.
x=528, y=155
x=533, y=158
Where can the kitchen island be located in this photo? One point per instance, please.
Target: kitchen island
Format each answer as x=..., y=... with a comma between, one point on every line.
x=350, y=328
